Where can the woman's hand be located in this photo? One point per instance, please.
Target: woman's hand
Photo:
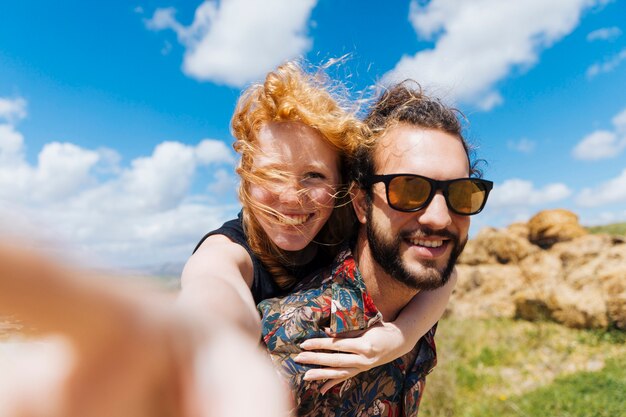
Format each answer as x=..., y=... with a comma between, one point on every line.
x=355, y=352
x=352, y=353
x=117, y=348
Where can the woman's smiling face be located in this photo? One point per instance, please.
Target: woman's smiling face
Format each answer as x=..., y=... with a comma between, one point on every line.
x=298, y=173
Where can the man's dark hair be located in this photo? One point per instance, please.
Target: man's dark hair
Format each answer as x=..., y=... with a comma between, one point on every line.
x=406, y=103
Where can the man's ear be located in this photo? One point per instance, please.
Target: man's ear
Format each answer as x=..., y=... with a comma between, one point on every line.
x=359, y=202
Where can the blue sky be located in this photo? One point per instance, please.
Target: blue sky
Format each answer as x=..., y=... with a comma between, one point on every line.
x=114, y=116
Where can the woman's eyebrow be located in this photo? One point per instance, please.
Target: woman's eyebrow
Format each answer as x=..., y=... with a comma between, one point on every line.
x=317, y=166
x=266, y=163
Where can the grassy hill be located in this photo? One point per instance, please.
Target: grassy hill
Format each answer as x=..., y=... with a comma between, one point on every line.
x=509, y=368
x=612, y=229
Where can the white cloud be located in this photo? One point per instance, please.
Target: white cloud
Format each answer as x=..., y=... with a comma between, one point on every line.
x=144, y=213
x=517, y=200
x=108, y=161
x=223, y=183
x=607, y=66
x=600, y=144
x=478, y=43
x=11, y=145
x=234, y=42
x=158, y=182
x=604, y=34
x=523, y=145
x=619, y=121
x=63, y=169
x=210, y=151
x=12, y=110
x=612, y=191
x=603, y=144
x=521, y=193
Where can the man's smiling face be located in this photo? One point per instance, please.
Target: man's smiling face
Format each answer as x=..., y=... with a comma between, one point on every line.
x=419, y=248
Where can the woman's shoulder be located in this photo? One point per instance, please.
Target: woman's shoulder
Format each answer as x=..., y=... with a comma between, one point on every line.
x=232, y=229
x=223, y=251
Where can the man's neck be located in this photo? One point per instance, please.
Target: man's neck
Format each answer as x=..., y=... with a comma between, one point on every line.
x=389, y=295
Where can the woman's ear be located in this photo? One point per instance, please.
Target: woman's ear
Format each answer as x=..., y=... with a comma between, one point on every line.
x=359, y=202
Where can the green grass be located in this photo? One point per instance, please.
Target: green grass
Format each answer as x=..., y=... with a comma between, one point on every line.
x=583, y=394
x=502, y=368
x=611, y=229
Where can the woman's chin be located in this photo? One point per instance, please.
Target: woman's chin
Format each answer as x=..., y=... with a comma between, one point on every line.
x=291, y=245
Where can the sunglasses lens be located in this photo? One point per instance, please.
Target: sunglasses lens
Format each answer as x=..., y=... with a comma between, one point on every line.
x=408, y=192
x=467, y=196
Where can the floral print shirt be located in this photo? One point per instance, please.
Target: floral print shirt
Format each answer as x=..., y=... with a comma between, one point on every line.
x=337, y=298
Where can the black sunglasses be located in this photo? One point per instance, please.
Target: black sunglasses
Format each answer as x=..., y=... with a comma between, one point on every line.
x=409, y=192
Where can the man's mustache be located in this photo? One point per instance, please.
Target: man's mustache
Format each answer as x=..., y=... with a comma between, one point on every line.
x=427, y=232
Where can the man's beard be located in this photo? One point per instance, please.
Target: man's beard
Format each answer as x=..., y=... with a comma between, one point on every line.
x=386, y=252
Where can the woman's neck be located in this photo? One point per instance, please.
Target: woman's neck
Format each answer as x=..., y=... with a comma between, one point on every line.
x=300, y=257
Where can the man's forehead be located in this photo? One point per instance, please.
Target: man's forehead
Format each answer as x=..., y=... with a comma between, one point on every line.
x=408, y=148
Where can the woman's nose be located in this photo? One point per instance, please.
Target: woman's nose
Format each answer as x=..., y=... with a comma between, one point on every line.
x=290, y=195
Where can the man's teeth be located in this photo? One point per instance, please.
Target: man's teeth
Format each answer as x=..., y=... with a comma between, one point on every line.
x=427, y=243
x=293, y=220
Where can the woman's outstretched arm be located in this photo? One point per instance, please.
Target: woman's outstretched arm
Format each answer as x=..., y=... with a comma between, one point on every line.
x=216, y=283
x=121, y=350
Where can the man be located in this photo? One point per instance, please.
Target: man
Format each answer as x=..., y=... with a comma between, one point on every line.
x=415, y=195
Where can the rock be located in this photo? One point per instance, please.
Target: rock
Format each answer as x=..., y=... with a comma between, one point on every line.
x=542, y=267
x=567, y=276
x=551, y=226
x=577, y=253
x=530, y=305
x=616, y=310
x=496, y=246
x=605, y=272
x=485, y=291
x=518, y=229
x=584, y=309
x=475, y=253
x=572, y=308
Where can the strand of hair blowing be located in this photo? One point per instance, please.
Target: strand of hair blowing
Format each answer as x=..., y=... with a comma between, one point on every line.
x=289, y=94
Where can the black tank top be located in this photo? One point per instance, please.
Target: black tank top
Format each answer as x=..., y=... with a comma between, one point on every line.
x=263, y=286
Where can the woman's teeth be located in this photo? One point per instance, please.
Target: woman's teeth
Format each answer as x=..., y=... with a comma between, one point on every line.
x=427, y=243
x=293, y=219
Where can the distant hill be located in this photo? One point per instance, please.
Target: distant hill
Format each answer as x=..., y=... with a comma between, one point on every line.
x=612, y=229
x=166, y=273
x=166, y=270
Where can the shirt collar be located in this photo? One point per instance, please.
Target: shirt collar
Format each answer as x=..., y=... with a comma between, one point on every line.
x=352, y=308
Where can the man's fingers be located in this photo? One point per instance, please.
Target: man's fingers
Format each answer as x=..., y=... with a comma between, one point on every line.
x=340, y=374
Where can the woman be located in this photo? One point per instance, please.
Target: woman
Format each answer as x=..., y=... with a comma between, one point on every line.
x=295, y=141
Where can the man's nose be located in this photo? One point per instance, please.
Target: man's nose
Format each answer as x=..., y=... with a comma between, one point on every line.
x=436, y=215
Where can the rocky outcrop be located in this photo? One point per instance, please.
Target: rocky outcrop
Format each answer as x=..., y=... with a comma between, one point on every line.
x=549, y=268
x=551, y=226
